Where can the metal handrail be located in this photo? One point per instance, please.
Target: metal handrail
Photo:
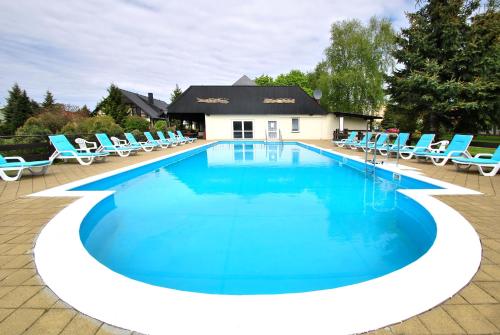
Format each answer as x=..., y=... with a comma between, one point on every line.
x=280, y=137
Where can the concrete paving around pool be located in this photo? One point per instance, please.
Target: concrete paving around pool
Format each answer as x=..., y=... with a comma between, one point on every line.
x=27, y=306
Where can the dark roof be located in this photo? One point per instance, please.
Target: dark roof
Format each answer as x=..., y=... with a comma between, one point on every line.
x=245, y=100
x=155, y=111
x=360, y=116
x=244, y=81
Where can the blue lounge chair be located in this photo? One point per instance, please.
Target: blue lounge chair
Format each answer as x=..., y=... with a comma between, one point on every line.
x=400, y=140
x=457, y=148
x=162, y=138
x=65, y=150
x=146, y=146
x=366, y=139
x=19, y=165
x=346, y=141
x=151, y=139
x=482, y=161
x=423, y=145
x=175, y=138
x=188, y=139
x=108, y=146
x=379, y=143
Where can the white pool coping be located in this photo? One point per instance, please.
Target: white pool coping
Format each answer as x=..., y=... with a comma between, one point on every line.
x=93, y=289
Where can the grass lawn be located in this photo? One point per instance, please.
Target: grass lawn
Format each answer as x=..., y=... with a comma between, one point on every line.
x=478, y=150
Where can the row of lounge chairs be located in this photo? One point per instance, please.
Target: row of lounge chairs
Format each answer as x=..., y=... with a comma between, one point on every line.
x=11, y=168
x=439, y=153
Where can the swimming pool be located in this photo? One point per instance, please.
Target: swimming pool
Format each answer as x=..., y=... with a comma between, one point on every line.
x=255, y=218
x=78, y=278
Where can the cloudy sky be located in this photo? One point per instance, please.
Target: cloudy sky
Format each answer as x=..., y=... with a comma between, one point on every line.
x=77, y=48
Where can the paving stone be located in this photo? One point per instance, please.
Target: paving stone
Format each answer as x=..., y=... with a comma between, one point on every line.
x=493, y=270
x=457, y=299
x=43, y=299
x=491, y=312
x=492, y=288
x=82, y=325
x=437, y=321
x=18, y=296
x=17, y=277
x=411, y=326
x=475, y=295
x=5, y=312
x=52, y=322
x=20, y=320
x=471, y=319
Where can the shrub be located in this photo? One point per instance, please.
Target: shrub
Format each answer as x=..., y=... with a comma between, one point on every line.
x=134, y=122
x=160, y=125
x=33, y=126
x=92, y=125
x=139, y=135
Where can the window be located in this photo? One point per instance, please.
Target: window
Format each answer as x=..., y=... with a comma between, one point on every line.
x=242, y=129
x=295, y=125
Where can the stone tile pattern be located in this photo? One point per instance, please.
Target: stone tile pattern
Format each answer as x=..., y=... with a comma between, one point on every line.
x=27, y=306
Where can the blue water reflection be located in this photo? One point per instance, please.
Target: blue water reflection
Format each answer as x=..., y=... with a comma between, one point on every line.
x=251, y=218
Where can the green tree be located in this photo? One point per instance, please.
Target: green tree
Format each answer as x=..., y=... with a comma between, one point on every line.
x=294, y=78
x=356, y=62
x=264, y=80
x=113, y=105
x=49, y=101
x=18, y=109
x=448, y=76
x=319, y=79
x=175, y=93
x=484, y=51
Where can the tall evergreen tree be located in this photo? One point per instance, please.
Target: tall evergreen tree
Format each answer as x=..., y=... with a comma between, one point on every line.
x=113, y=106
x=175, y=93
x=445, y=56
x=49, y=101
x=18, y=109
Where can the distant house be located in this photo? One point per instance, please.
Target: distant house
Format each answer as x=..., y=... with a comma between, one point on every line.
x=145, y=106
x=247, y=111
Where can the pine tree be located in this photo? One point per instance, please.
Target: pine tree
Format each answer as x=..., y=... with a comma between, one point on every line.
x=442, y=81
x=113, y=106
x=176, y=93
x=18, y=109
x=49, y=101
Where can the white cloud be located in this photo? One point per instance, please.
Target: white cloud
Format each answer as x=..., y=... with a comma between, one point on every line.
x=77, y=48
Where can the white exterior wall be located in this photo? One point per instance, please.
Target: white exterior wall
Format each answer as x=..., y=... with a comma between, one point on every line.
x=220, y=127
x=311, y=127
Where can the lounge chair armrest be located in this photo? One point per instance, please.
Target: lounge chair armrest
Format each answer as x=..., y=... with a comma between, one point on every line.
x=441, y=146
x=15, y=158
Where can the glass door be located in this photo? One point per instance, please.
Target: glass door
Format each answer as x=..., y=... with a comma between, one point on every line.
x=242, y=129
x=272, y=130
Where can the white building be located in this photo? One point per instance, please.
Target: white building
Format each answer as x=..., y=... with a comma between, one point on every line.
x=247, y=111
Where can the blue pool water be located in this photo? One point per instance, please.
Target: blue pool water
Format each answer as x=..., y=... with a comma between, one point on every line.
x=251, y=218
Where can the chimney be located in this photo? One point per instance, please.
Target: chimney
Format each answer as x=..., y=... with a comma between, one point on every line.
x=150, y=99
